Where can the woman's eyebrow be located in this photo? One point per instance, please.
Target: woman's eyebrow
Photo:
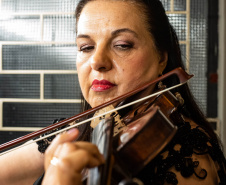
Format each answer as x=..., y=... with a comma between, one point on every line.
x=83, y=36
x=114, y=33
x=117, y=32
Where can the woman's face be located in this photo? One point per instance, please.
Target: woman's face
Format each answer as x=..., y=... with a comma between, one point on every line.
x=116, y=53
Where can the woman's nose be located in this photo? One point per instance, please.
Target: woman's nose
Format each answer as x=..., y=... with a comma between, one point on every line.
x=101, y=60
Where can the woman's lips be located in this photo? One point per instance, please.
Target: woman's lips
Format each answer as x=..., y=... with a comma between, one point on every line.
x=101, y=85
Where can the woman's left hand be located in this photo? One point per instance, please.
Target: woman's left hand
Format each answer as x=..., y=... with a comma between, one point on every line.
x=65, y=159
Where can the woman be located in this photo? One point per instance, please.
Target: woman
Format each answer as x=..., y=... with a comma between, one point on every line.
x=122, y=45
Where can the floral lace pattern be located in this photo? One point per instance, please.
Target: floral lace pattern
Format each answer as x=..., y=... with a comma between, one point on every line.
x=178, y=154
x=43, y=144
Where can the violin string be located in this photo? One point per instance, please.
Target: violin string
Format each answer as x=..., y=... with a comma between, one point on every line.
x=90, y=119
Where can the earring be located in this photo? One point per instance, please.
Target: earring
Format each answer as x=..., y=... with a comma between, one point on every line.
x=160, y=84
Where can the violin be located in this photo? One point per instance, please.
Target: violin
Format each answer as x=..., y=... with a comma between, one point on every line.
x=151, y=120
x=145, y=131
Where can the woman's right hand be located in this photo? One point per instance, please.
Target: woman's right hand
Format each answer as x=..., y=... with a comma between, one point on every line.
x=65, y=159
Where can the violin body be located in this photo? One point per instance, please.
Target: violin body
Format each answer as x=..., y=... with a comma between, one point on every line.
x=149, y=127
x=143, y=139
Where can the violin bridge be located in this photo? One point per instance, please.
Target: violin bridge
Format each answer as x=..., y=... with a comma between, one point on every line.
x=119, y=125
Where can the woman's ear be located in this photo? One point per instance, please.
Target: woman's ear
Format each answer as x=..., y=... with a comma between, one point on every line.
x=163, y=62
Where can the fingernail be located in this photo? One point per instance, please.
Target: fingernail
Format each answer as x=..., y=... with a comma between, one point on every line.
x=73, y=131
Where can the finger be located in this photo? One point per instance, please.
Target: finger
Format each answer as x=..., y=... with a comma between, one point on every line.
x=67, y=147
x=63, y=150
x=78, y=160
x=91, y=148
x=69, y=136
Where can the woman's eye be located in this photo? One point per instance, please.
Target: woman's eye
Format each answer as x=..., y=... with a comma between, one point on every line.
x=124, y=46
x=86, y=48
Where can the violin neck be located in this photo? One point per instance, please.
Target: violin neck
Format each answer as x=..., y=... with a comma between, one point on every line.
x=102, y=136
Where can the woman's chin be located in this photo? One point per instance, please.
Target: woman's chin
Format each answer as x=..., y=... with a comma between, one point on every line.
x=101, y=100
